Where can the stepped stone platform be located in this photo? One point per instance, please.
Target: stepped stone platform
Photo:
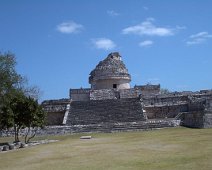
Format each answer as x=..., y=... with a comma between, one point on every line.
x=104, y=127
x=111, y=104
x=110, y=127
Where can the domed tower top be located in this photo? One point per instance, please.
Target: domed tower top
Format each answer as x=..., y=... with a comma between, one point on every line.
x=110, y=73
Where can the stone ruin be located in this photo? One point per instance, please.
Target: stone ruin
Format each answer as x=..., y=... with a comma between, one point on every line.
x=110, y=104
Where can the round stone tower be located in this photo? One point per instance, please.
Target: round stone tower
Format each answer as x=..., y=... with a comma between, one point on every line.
x=111, y=73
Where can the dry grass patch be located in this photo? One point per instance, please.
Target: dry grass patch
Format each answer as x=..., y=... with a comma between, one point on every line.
x=175, y=149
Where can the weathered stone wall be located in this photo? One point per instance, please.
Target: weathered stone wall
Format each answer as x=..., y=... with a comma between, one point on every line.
x=153, y=98
x=55, y=105
x=149, y=89
x=207, y=119
x=55, y=118
x=199, y=114
x=108, y=84
x=55, y=110
x=82, y=94
x=206, y=92
x=105, y=111
x=209, y=104
x=193, y=119
x=130, y=93
x=165, y=99
x=196, y=106
x=102, y=94
x=165, y=111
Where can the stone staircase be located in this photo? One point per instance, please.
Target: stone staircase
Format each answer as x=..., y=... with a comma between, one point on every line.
x=66, y=113
x=179, y=115
x=127, y=126
x=105, y=111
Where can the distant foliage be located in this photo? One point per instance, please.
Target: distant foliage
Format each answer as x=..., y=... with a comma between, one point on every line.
x=164, y=91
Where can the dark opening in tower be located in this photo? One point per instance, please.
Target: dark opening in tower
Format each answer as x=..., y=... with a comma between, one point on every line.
x=114, y=86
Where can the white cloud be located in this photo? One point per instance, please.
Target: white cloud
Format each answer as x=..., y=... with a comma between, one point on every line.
x=201, y=35
x=149, y=29
x=104, y=43
x=146, y=43
x=112, y=13
x=198, y=38
x=69, y=27
x=195, y=41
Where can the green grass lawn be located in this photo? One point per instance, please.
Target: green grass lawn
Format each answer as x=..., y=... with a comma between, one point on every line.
x=165, y=149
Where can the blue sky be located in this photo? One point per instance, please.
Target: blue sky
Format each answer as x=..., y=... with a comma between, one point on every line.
x=58, y=42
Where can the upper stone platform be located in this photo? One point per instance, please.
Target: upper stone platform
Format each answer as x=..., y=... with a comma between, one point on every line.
x=110, y=73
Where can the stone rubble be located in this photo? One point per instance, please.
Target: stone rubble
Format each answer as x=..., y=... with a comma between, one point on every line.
x=20, y=145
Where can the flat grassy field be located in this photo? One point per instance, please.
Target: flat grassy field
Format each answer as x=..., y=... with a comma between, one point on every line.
x=165, y=149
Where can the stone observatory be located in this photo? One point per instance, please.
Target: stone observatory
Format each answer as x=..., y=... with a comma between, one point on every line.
x=110, y=104
x=111, y=73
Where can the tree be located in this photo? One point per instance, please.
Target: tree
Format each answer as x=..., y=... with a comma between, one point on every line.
x=164, y=91
x=19, y=107
x=12, y=81
x=6, y=117
x=34, y=118
x=9, y=78
x=22, y=113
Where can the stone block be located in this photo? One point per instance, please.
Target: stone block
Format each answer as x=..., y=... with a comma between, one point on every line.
x=23, y=145
x=11, y=146
x=5, y=148
x=85, y=137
